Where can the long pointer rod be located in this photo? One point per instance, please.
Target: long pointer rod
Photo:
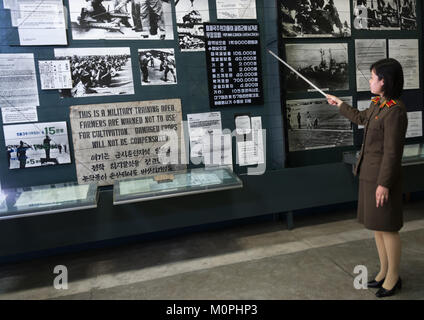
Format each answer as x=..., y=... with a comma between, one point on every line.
x=292, y=69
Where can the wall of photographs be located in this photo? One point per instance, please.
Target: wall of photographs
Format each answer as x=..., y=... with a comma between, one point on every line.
x=61, y=61
x=333, y=43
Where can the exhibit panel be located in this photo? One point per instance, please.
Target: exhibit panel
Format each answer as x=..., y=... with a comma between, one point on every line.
x=89, y=70
x=338, y=62
x=182, y=97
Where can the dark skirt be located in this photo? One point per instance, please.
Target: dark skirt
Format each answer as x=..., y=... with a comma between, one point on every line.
x=388, y=218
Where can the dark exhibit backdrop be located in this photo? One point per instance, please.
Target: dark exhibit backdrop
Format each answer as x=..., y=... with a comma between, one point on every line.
x=310, y=54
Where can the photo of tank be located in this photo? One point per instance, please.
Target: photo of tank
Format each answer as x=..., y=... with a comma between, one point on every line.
x=385, y=14
x=325, y=64
x=318, y=18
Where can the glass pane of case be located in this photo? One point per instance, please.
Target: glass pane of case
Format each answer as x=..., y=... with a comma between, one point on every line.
x=179, y=183
x=412, y=154
x=29, y=201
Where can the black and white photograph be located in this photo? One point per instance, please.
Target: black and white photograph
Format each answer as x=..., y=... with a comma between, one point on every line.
x=385, y=14
x=37, y=144
x=98, y=71
x=325, y=64
x=314, y=124
x=121, y=19
x=315, y=18
x=157, y=67
x=191, y=14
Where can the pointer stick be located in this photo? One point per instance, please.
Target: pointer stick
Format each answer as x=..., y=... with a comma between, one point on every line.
x=292, y=69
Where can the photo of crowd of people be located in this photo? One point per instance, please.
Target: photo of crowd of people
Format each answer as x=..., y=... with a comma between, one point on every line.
x=386, y=14
x=98, y=71
x=315, y=18
x=121, y=19
x=157, y=66
x=191, y=14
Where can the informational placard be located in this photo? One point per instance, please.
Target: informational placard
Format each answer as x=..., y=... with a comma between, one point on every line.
x=37, y=144
x=117, y=141
x=236, y=9
x=19, y=114
x=55, y=74
x=415, y=124
x=234, y=64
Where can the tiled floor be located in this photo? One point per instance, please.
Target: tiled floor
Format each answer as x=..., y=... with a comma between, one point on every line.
x=316, y=260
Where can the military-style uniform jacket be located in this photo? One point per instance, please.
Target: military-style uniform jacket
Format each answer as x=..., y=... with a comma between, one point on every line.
x=384, y=136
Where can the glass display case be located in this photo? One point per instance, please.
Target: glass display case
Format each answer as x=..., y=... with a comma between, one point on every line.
x=176, y=184
x=47, y=199
x=412, y=154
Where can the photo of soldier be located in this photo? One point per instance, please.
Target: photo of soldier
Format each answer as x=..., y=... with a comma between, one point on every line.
x=121, y=19
x=156, y=66
x=21, y=154
x=46, y=145
x=95, y=74
x=320, y=18
x=136, y=15
x=386, y=14
x=152, y=18
x=144, y=61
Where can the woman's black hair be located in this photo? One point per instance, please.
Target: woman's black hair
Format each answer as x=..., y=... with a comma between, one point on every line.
x=391, y=71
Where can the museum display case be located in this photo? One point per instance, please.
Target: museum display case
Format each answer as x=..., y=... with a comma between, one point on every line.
x=174, y=185
x=413, y=154
x=47, y=199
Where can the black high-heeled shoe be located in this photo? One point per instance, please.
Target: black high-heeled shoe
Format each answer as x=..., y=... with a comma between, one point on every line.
x=375, y=284
x=381, y=293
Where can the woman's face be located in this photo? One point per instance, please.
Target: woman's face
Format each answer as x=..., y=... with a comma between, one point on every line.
x=376, y=85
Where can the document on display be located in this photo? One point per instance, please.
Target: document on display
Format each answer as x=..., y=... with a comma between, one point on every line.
x=415, y=124
x=39, y=22
x=236, y=9
x=18, y=85
x=243, y=125
x=406, y=52
x=217, y=150
x=55, y=74
x=367, y=51
x=199, y=125
x=19, y=114
x=52, y=196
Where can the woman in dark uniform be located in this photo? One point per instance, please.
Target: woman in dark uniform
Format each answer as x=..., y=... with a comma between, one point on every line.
x=379, y=167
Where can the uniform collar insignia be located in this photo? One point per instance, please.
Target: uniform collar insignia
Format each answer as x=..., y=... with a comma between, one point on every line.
x=376, y=100
x=388, y=104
